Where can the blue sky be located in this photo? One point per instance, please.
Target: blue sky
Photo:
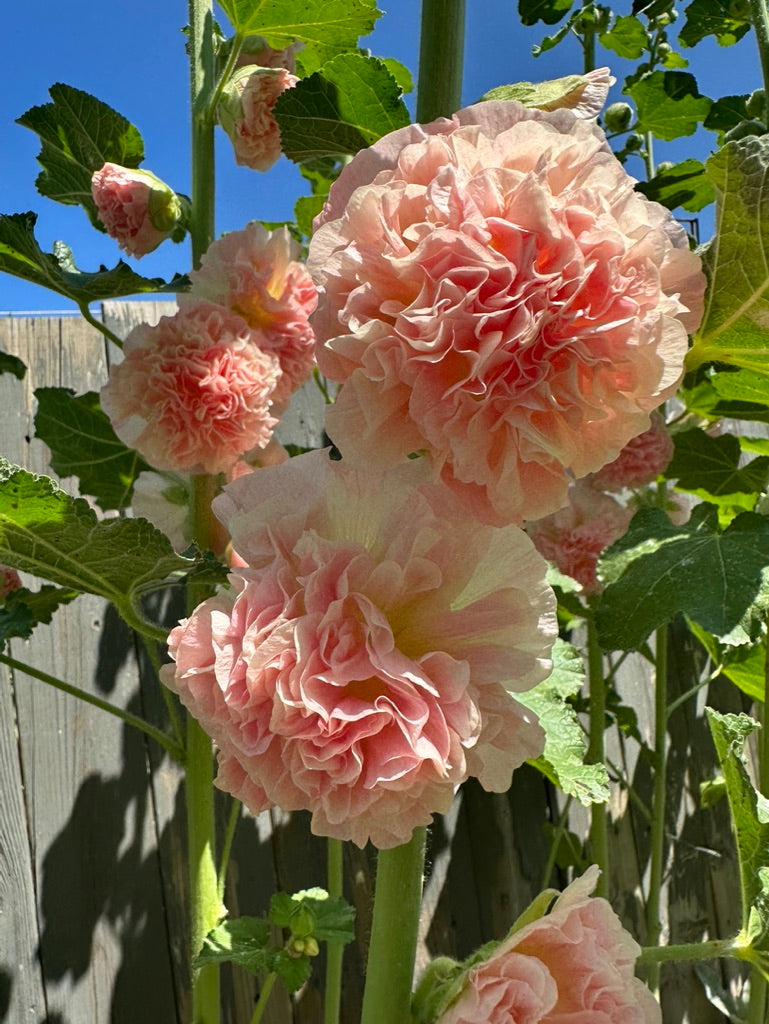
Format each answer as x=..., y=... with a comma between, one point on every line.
x=132, y=57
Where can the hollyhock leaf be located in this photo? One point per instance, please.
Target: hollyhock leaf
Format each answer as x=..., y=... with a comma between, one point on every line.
x=549, y=11
x=400, y=73
x=346, y=106
x=627, y=38
x=709, y=467
x=727, y=112
x=742, y=386
x=83, y=444
x=314, y=912
x=51, y=535
x=719, y=18
x=563, y=758
x=704, y=399
x=325, y=29
x=79, y=134
x=241, y=940
x=744, y=664
x=21, y=256
x=737, y=305
x=12, y=364
x=306, y=209
x=669, y=104
x=685, y=184
x=750, y=819
x=24, y=609
x=718, y=579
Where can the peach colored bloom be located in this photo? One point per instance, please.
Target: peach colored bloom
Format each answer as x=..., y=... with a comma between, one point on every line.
x=9, y=581
x=256, y=274
x=575, y=536
x=366, y=663
x=137, y=209
x=573, y=966
x=493, y=292
x=641, y=460
x=193, y=392
x=245, y=113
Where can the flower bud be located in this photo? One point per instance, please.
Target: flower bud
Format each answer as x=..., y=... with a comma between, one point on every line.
x=9, y=581
x=756, y=104
x=245, y=113
x=617, y=117
x=137, y=209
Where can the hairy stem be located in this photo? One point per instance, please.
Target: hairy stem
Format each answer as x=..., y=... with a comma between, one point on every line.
x=335, y=950
x=599, y=826
x=441, y=53
x=657, y=851
x=655, y=955
x=759, y=15
x=387, y=995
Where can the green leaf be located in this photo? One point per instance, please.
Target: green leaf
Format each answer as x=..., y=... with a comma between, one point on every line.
x=733, y=327
x=718, y=579
x=12, y=364
x=58, y=538
x=83, y=444
x=684, y=185
x=627, y=38
x=742, y=386
x=79, y=134
x=549, y=11
x=314, y=912
x=714, y=18
x=750, y=820
x=563, y=757
x=669, y=104
x=726, y=113
x=24, y=609
x=306, y=209
x=346, y=106
x=326, y=29
x=400, y=73
x=21, y=256
x=710, y=468
x=704, y=398
x=743, y=664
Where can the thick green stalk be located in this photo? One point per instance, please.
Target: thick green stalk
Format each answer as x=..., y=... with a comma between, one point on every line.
x=758, y=986
x=759, y=15
x=390, y=968
x=599, y=825
x=202, y=85
x=441, y=53
x=657, y=851
x=334, y=950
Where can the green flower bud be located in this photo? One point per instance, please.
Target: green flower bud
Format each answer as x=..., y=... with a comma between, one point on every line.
x=756, y=104
x=617, y=117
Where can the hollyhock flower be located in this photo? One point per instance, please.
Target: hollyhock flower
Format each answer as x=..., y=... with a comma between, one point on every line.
x=137, y=209
x=365, y=663
x=575, y=536
x=245, y=113
x=573, y=966
x=641, y=460
x=9, y=581
x=256, y=274
x=494, y=293
x=256, y=51
x=193, y=392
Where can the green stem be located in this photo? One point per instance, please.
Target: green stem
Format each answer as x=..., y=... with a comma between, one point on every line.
x=174, y=749
x=232, y=823
x=86, y=314
x=759, y=15
x=335, y=950
x=202, y=86
x=657, y=840
x=205, y=906
x=232, y=57
x=392, y=950
x=168, y=698
x=441, y=53
x=599, y=831
x=758, y=986
x=264, y=995
x=655, y=955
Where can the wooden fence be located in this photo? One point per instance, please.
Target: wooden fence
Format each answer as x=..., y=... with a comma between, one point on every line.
x=92, y=822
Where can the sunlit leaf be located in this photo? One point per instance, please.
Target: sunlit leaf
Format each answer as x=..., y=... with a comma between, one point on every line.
x=669, y=104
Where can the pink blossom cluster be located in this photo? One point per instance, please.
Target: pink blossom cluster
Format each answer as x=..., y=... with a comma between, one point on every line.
x=203, y=389
x=575, y=536
x=495, y=294
x=573, y=966
x=365, y=661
